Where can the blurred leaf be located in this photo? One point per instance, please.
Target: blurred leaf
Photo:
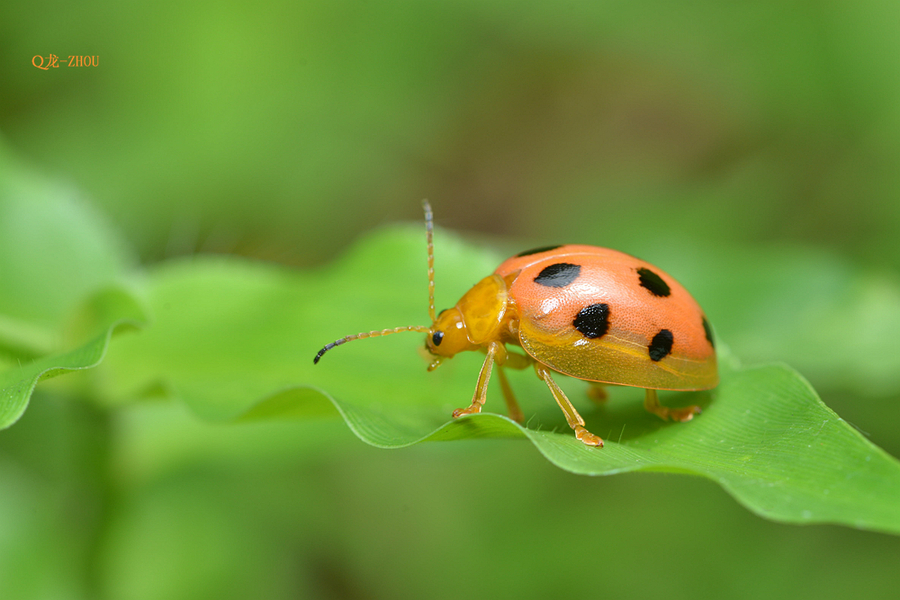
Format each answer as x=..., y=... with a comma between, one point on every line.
x=60, y=265
x=55, y=250
x=17, y=383
x=234, y=340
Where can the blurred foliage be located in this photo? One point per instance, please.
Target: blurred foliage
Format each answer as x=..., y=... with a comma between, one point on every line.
x=238, y=128
x=751, y=150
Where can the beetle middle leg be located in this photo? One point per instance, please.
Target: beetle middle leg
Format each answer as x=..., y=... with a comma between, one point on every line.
x=513, y=360
x=574, y=419
x=512, y=406
x=651, y=403
x=597, y=392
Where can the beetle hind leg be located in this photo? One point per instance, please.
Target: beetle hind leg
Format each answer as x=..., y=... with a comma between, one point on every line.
x=651, y=403
x=572, y=417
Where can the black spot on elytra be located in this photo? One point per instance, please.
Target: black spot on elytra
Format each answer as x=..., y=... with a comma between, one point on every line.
x=661, y=345
x=708, y=330
x=537, y=250
x=653, y=283
x=558, y=275
x=593, y=321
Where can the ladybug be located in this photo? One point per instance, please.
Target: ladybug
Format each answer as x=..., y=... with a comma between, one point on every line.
x=591, y=313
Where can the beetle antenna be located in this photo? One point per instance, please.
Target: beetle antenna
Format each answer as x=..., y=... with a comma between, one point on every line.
x=429, y=237
x=376, y=333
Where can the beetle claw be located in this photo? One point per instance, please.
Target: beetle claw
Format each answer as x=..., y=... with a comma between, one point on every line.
x=587, y=437
x=683, y=414
x=471, y=410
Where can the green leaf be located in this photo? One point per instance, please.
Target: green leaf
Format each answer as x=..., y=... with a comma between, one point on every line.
x=235, y=340
x=108, y=311
x=17, y=383
x=55, y=251
x=61, y=268
x=764, y=436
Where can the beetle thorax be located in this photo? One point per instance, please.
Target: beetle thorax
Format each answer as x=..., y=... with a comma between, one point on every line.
x=479, y=318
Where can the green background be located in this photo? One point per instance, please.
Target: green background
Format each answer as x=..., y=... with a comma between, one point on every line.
x=752, y=151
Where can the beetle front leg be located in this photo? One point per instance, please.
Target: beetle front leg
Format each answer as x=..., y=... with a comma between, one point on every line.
x=494, y=350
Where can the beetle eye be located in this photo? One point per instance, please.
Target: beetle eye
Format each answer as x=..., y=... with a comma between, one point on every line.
x=437, y=337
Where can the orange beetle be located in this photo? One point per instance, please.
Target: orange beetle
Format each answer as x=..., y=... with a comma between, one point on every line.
x=592, y=313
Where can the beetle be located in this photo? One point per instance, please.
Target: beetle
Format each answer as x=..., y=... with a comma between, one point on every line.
x=592, y=313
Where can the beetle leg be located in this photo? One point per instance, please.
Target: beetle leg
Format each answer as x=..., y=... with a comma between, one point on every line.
x=651, y=403
x=493, y=350
x=512, y=407
x=597, y=392
x=517, y=361
x=574, y=419
x=513, y=360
